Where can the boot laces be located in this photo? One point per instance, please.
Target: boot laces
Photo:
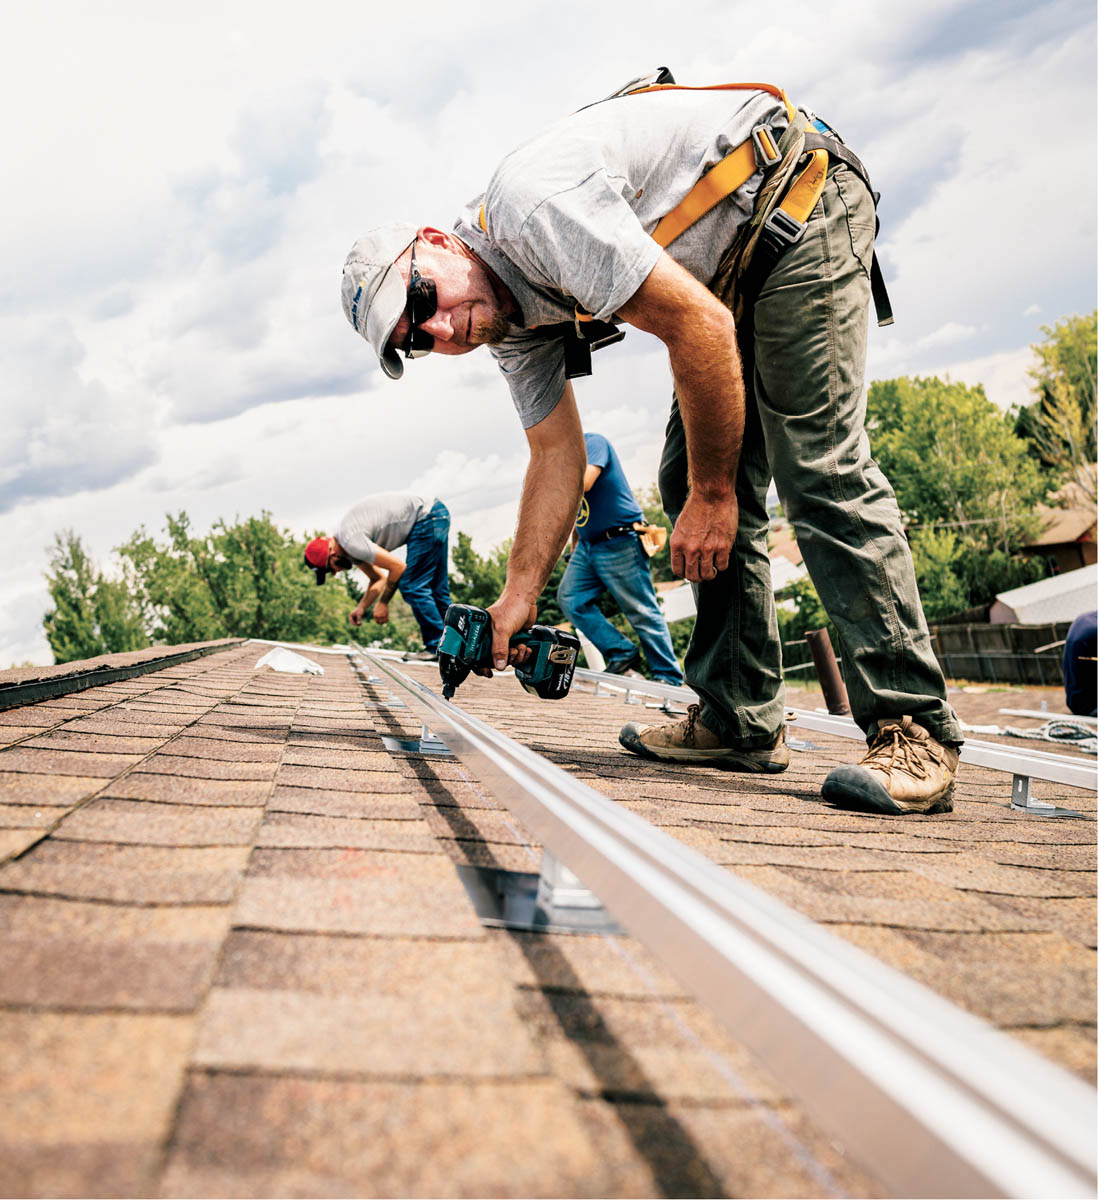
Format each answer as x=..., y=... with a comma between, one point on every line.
x=692, y=714
x=892, y=749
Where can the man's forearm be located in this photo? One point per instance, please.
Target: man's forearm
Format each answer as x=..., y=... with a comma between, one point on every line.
x=710, y=390
x=547, y=512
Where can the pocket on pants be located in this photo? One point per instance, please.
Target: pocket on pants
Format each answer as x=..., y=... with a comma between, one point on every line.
x=861, y=218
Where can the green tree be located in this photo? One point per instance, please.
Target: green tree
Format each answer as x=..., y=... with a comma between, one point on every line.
x=245, y=579
x=92, y=614
x=1060, y=424
x=478, y=579
x=937, y=554
x=956, y=463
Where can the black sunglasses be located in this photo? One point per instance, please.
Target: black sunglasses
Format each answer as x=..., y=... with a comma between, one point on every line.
x=422, y=306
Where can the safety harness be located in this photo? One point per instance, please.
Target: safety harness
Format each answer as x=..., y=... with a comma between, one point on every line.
x=795, y=171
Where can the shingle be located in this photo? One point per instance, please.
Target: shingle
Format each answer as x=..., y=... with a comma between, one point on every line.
x=340, y=757
x=611, y=966
x=972, y=873
x=498, y=828
x=445, y=1030
x=66, y=1168
x=355, y=891
x=692, y=1150
x=15, y=841
x=76, y=974
x=391, y=806
x=48, y=918
x=327, y=738
x=24, y=816
x=61, y=762
x=189, y=767
x=1074, y=917
x=256, y=1136
x=226, y=750
x=140, y=785
x=122, y=721
x=89, y=1078
x=298, y=830
x=136, y=821
x=333, y=779
x=101, y=743
x=127, y=874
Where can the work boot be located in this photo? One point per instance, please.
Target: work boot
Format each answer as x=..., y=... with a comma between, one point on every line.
x=904, y=771
x=421, y=656
x=623, y=664
x=692, y=741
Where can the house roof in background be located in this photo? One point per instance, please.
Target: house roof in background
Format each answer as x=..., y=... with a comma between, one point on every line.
x=1059, y=598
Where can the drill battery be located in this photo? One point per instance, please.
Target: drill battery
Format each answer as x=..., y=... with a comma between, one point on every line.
x=467, y=643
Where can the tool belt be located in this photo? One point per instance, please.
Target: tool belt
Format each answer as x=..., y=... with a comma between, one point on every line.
x=615, y=531
x=653, y=538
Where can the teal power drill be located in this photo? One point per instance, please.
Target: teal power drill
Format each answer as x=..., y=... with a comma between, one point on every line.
x=467, y=643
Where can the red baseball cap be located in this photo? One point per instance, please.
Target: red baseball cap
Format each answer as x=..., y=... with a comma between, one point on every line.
x=316, y=556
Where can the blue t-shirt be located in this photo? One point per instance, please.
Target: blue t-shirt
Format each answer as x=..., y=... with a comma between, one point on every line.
x=610, y=501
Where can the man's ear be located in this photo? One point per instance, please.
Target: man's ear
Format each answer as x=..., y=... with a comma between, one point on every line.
x=438, y=237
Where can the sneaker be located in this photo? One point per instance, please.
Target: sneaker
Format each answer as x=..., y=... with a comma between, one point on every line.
x=619, y=666
x=421, y=656
x=692, y=741
x=904, y=771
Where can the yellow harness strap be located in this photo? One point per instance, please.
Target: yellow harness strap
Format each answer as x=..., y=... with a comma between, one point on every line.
x=716, y=87
x=801, y=198
x=733, y=171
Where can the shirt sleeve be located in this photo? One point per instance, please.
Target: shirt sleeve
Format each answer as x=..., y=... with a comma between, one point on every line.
x=586, y=242
x=598, y=450
x=356, y=543
x=534, y=369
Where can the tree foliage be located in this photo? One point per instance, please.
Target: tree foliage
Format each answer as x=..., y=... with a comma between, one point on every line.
x=92, y=614
x=478, y=579
x=957, y=465
x=1060, y=424
x=245, y=579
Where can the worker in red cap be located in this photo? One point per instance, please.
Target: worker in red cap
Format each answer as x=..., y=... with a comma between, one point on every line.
x=366, y=538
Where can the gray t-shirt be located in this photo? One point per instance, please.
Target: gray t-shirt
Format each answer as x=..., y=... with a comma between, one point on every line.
x=384, y=520
x=570, y=215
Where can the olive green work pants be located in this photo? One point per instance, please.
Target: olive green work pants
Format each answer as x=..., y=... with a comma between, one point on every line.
x=804, y=365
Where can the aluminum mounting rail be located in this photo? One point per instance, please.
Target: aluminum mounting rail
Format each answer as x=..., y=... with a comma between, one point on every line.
x=1033, y=764
x=934, y=1101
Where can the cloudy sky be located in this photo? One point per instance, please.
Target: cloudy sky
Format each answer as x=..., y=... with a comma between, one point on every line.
x=182, y=183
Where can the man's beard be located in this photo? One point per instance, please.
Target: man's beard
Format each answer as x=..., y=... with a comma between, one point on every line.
x=491, y=332
x=341, y=562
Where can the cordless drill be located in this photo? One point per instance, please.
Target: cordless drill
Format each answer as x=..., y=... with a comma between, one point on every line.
x=467, y=643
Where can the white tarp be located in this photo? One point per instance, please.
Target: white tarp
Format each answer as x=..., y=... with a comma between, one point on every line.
x=281, y=659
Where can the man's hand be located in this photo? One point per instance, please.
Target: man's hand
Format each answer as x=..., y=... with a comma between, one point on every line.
x=357, y=613
x=702, y=539
x=381, y=612
x=509, y=615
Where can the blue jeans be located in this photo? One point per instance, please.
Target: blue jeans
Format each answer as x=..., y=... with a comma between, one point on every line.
x=425, y=584
x=620, y=567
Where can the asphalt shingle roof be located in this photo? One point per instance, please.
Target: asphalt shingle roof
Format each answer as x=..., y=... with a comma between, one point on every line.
x=236, y=958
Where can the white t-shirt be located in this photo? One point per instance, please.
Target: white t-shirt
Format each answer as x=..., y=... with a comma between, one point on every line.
x=384, y=520
x=570, y=215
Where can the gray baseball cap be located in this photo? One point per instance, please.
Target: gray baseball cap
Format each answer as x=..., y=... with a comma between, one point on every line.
x=373, y=291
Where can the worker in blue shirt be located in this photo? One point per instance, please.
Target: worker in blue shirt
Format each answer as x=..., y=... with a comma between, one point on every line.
x=608, y=556
x=1080, y=672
